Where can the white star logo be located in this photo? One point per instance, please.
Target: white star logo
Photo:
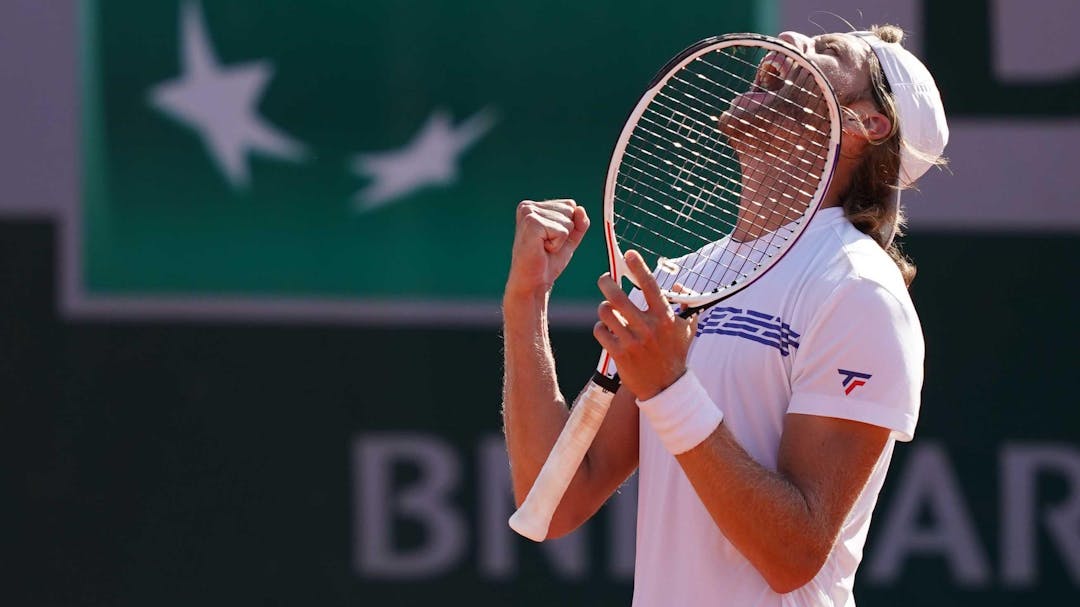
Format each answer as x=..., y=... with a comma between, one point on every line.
x=221, y=103
x=431, y=158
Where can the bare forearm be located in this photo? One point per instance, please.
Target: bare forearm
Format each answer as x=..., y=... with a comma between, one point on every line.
x=535, y=413
x=785, y=522
x=763, y=514
x=534, y=410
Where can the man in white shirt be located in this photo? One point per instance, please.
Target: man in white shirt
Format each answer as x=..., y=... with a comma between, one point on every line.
x=764, y=428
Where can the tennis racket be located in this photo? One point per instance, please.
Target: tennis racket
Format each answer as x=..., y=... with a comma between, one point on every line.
x=717, y=172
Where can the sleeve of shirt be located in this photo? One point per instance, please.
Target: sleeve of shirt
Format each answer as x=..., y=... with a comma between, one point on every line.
x=861, y=359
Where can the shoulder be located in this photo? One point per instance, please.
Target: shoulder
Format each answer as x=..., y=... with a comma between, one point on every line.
x=850, y=264
x=845, y=284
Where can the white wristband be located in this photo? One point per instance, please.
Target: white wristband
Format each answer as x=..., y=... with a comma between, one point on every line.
x=682, y=415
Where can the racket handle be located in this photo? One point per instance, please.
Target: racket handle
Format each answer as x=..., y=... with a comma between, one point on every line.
x=534, y=517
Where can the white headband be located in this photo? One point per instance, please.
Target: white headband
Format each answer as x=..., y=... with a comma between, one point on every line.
x=923, y=129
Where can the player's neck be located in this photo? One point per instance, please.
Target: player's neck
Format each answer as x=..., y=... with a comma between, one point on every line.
x=769, y=216
x=841, y=181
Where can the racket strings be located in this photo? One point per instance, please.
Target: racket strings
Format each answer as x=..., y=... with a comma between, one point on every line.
x=718, y=265
x=806, y=122
x=728, y=223
x=682, y=191
x=720, y=170
x=718, y=185
x=811, y=93
x=796, y=173
x=717, y=232
x=756, y=254
x=718, y=173
x=717, y=235
x=821, y=148
x=703, y=226
x=778, y=125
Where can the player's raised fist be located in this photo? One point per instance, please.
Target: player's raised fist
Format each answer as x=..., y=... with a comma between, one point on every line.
x=546, y=235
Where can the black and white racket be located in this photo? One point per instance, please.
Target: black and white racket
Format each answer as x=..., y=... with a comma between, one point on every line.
x=718, y=171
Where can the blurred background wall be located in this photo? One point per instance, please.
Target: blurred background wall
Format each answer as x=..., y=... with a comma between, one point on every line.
x=250, y=263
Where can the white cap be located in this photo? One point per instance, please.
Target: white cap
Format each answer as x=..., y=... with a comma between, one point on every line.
x=923, y=129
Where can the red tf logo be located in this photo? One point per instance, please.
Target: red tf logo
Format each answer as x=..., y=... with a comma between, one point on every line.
x=853, y=379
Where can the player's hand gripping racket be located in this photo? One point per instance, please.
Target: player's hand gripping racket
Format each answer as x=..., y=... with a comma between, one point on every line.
x=715, y=176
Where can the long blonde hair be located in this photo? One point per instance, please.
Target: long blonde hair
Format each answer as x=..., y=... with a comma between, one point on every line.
x=868, y=203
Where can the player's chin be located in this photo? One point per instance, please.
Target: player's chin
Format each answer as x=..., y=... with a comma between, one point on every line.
x=733, y=122
x=747, y=114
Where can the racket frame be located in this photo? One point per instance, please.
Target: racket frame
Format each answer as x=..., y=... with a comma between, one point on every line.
x=618, y=266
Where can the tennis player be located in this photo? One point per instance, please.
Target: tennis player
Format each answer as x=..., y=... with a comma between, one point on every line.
x=763, y=428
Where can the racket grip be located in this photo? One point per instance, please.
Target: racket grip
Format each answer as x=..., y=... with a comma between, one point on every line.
x=533, y=519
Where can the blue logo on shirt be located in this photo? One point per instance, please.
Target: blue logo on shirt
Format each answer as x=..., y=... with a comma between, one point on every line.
x=853, y=379
x=750, y=324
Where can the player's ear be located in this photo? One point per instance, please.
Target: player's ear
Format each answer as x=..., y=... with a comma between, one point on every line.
x=877, y=125
x=865, y=121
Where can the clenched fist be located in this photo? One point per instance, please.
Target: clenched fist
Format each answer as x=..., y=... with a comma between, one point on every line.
x=546, y=236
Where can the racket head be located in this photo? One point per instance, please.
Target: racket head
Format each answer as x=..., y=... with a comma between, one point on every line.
x=736, y=137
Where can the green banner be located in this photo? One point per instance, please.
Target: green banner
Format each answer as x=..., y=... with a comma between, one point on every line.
x=352, y=151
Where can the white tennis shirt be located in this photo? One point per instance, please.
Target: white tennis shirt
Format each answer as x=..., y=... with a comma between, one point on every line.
x=830, y=331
